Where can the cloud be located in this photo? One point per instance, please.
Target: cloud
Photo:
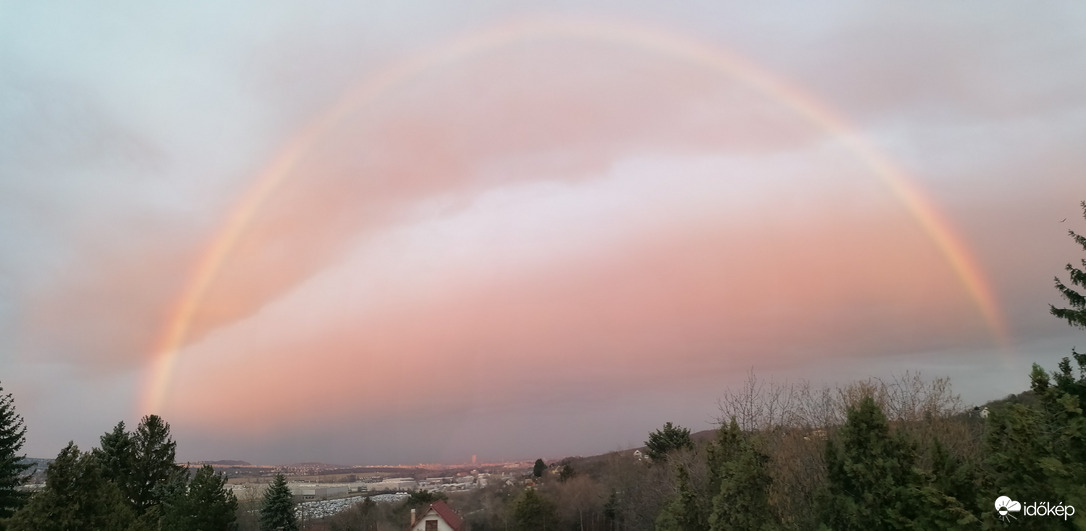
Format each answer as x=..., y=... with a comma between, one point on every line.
x=905, y=65
x=489, y=121
x=553, y=225
x=626, y=279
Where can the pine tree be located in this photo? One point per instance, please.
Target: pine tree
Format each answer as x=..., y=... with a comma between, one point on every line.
x=666, y=440
x=1076, y=314
x=76, y=496
x=612, y=510
x=539, y=468
x=872, y=482
x=205, y=504
x=1040, y=450
x=742, y=483
x=116, y=454
x=277, y=508
x=141, y=464
x=722, y=450
x=12, y=467
x=954, y=477
x=154, y=474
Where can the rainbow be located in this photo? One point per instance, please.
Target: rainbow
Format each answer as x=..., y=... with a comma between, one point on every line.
x=626, y=34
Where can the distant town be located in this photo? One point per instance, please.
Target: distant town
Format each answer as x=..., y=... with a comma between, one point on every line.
x=322, y=489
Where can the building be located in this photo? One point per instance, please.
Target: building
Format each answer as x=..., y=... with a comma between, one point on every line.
x=394, y=485
x=437, y=517
x=309, y=492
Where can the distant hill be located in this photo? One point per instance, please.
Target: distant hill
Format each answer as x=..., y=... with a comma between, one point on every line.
x=594, y=463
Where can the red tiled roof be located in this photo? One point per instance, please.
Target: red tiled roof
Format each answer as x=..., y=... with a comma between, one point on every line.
x=446, y=513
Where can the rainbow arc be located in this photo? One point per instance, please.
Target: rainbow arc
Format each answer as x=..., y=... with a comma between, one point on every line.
x=636, y=36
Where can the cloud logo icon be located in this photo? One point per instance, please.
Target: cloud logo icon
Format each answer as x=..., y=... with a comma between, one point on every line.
x=1005, y=505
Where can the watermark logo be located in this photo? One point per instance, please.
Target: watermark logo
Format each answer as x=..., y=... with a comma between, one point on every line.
x=1005, y=506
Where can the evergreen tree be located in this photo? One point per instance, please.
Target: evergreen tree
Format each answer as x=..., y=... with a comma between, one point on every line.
x=12, y=467
x=1040, y=450
x=1076, y=313
x=724, y=449
x=1016, y=447
x=116, y=454
x=956, y=478
x=206, y=504
x=155, y=475
x=1064, y=425
x=423, y=497
x=611, y=510
x=872, y=483
x=277, y=508
x=539, y=468
x=76, y=496
x=566, y=473
x=141, y=464
x=742, y=483
x=684, y=511
x=666, y=440
x=532, y=512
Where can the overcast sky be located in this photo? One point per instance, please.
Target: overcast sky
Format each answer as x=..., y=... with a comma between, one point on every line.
x=407, y=232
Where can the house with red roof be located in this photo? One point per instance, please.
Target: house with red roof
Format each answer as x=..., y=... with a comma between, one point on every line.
x=437, y=517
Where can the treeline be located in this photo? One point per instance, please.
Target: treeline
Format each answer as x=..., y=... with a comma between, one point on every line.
x=903, y=453
x=130, y=482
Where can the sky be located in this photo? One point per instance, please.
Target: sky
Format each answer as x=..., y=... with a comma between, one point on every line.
x=414, y=232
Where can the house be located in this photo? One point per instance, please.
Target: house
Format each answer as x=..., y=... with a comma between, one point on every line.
x=437, y=517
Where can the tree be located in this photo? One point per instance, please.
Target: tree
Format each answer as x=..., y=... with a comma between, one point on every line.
x=155, y=474
x=1041, y=450
x=532, y=512
x=611, y=511
x=1076, y=313
x=955, y=477
x=417, y=500
x=871, y=479
x=666, y=440
x=205, y=504
x=277, y=508
x=579, y=501
x=566, y=473
x=741, y=500
x=12, y=467
x=539, y=467
x=116, y=454
x=76, y=496
x=141, y=463
x=423, y=497
x=684, y=512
